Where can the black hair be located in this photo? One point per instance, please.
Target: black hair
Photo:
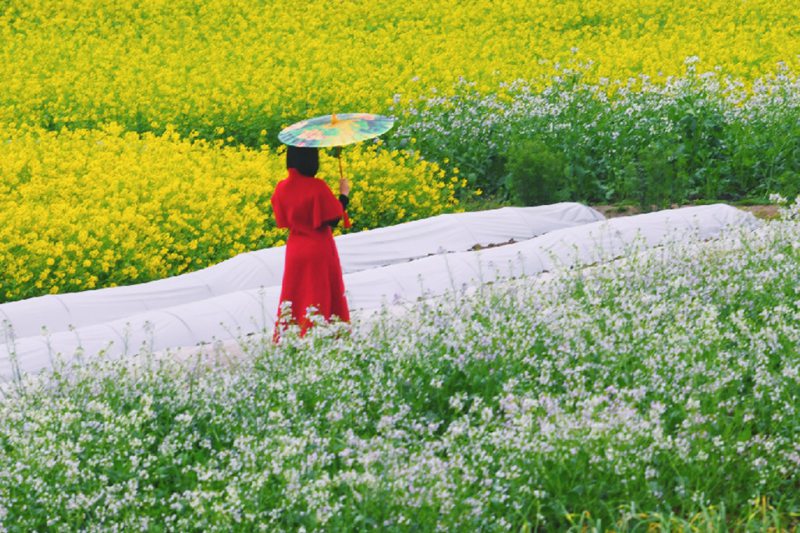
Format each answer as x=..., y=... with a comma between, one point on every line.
x=305, y=159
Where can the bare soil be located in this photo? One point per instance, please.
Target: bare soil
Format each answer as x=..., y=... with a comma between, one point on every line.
x=766, y=212
x=611, y=211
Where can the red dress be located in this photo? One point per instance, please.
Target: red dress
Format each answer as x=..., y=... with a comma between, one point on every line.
x=312, y=275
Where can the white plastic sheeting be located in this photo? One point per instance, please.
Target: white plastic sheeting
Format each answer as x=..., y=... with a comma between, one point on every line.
x=253, y=311
x=263, y=268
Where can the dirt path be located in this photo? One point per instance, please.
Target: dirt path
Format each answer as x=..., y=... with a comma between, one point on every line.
x=611, y=211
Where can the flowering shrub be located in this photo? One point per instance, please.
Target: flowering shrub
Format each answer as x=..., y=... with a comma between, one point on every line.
x=93, y=208
x=654, y=392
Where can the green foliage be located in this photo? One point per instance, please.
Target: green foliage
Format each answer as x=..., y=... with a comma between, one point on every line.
x=692, y=140
x=536, y=173
x=657, y=392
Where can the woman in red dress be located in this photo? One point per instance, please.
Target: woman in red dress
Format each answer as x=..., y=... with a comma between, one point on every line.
x=312, y=275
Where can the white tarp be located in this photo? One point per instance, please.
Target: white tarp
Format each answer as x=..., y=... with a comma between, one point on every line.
x=263, y=268
x=253, y=311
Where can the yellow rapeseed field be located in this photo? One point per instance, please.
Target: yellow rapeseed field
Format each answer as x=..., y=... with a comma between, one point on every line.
x=89, y=208
x=104, y=178
x=261, y=64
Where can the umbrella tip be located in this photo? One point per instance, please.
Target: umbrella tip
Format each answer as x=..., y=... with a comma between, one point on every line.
x=334, y=120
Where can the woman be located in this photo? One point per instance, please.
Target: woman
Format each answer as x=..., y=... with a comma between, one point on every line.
x=312, y=275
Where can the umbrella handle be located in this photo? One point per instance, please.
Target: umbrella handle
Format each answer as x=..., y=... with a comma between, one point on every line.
x=338, y=151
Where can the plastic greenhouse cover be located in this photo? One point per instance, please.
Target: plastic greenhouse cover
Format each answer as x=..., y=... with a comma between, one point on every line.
x=241, y=313
x=263, y=268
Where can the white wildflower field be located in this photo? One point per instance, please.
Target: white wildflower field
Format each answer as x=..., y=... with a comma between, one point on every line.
x=657, y=391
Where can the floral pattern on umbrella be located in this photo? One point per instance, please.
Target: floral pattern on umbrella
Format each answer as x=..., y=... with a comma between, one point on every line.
x=335, y=130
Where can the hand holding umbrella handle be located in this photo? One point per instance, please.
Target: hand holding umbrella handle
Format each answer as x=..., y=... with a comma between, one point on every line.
x=344, y=185
x=344, y=190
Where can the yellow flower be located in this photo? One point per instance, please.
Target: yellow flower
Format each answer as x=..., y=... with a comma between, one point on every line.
x=118, y=208
x=185, y=195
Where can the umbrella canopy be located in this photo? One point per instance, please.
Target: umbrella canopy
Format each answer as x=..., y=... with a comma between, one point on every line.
x=335, y=130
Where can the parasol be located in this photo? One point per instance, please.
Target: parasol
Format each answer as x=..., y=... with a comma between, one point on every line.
x=335, y=131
